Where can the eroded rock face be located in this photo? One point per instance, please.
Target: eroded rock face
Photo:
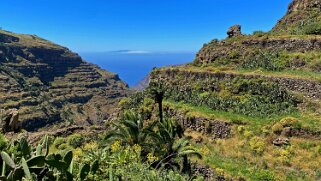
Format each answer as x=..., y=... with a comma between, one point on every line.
x=301, y=5
x=234, y=31
x=10, y=120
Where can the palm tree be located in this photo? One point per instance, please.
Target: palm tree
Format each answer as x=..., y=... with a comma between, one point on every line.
x=130, y=130
x=157, y=91
x=177, y=155
x=171, y=146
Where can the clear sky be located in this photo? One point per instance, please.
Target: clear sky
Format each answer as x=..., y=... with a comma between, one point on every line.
x=144, y=25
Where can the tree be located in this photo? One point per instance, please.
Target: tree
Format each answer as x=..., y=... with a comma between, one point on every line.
x=157, y=91
x=130, y=130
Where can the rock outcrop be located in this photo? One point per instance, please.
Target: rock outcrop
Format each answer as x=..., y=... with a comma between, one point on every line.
x=300, y=14
x=10, y=120
x=234, y=31
x=48, y=83
x=302, y=5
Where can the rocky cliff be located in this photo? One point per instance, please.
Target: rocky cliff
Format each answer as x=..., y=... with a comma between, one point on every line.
x=48, y=83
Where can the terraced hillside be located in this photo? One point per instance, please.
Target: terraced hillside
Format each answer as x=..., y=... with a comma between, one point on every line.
x=252, y=103
x=48, y=83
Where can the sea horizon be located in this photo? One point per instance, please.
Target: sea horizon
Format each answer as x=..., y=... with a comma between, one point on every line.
x=132, y=66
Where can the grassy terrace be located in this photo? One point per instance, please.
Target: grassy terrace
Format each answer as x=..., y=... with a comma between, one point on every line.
x=307, y=120
x=295, y=74
x=250, y=154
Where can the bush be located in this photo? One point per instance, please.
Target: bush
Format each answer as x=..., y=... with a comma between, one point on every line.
x=264, y=175
x=3, y=142
x=241, y=129
x=312, y=29
x=257, y=145
x=259, y=33
x=76, y=140
x=63, y=146
x=267, y=61
x=277, y=128
x=290, y=122
x=59, y=141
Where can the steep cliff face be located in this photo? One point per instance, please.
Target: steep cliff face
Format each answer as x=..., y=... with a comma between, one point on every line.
x=48, y=83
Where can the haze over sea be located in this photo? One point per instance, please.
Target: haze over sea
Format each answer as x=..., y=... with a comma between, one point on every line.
x=133, y=66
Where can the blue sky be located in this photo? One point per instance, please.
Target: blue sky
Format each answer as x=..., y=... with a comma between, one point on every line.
x=141, y=25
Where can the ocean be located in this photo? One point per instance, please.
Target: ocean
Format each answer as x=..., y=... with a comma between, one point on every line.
x=133, y=67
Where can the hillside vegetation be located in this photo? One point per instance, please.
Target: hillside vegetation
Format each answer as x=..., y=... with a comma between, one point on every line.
x=247, y=108
x=252, y=102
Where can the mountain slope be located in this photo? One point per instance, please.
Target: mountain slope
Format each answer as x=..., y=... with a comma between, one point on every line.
x=252, y=103
x=48, y=83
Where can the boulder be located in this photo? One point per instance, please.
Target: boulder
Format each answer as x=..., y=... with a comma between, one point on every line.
x=281, y=141
x=234, y=31
x=10, y=120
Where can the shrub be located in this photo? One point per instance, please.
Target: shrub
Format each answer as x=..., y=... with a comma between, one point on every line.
x=59, y=141
x=257, y=145
x=264, y=175
x=312, y=29
x=63, y=146
x=259, y=33
x=240, y=129
x=266, y=60
x=291, y=122
x=277, y=128
x=316, y=66
x=3, y=142
x=76, y=140
x=247, y=134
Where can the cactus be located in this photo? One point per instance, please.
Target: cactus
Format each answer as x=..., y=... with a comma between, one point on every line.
x=37, y=162
x=26, y=169
x=111, y=178
x=25, y=149
x=68, y=158
x=94, y=166
x=8, y=160
x=3, y=173
x=45, y=145
x=84, y=171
